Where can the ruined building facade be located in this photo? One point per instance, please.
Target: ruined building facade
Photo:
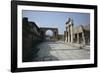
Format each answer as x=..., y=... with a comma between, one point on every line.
x=80, y=34
x=31, y=36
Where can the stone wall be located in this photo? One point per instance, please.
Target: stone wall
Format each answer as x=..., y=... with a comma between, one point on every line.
x=31, y=36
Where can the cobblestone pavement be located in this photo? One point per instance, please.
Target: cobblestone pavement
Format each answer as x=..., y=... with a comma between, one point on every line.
x=51, y=51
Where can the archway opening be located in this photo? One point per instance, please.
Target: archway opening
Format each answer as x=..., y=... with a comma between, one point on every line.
x=49, y=35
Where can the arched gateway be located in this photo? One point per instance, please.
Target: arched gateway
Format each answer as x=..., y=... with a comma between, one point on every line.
x=54, y=30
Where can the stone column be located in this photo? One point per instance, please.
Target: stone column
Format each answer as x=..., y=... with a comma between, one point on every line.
x=83, y=38
x=55, y=35
x=77, y=37
x=68, y=34
x=71, y=33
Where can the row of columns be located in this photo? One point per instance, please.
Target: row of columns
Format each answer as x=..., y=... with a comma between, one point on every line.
x=69, y=30
x=69, y=37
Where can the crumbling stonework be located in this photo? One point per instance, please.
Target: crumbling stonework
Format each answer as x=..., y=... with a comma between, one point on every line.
x=80, y=34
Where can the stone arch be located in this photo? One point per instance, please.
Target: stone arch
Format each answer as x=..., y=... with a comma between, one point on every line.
x=54, y=30
x=49, y=34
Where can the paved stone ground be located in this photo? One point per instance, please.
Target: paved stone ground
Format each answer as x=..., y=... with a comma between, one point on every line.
x=51, y=51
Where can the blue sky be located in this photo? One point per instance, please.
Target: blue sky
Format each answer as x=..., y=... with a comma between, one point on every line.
x=56, y=19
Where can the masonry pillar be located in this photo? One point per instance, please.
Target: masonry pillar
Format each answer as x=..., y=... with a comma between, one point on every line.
x=55, y=35
x=71, y=27
x=77, y=37
x=65, y=34
x=68, y=34
x=83, y=38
